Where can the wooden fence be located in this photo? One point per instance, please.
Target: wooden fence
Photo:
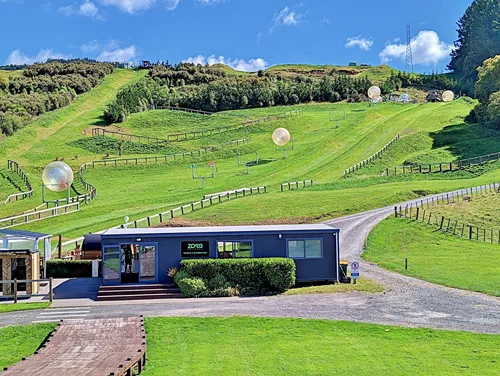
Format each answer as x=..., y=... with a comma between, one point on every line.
x=370, y=159
x=14, y=166
x=181, y=210
x=162, y=158
x=193, y=135
x=39, y=215
x=451, y=226
x=197, y=205
x=295, y=185
x=442, y=166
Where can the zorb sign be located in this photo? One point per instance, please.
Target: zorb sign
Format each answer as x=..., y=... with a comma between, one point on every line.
x=354, y=270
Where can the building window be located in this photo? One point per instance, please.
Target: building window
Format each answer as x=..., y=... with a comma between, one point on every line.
x=305, y=248
x=236, y=249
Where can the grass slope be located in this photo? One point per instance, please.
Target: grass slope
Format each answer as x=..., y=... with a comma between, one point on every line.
x=48, y=136
x=434, y=256
x=17, y=342
x=362, y=285
x=265, y=346
x=321, y=152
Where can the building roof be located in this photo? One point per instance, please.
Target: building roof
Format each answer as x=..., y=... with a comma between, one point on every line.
x=24, y=234
x=220, y=230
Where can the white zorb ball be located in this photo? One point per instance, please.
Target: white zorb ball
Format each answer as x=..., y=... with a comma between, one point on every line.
x=374, y=92
x=448, y=96
x=404, y=98
x=57, y=176
x=281, y=136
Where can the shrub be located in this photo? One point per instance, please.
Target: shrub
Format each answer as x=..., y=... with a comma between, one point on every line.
x=69, y=268
x=192, y=287
x=180, y=275
x=250, y=276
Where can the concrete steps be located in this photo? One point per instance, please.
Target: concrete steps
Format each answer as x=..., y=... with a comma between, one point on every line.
x=138, y=292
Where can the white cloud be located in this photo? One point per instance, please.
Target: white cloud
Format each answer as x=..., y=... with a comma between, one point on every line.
x=113, y=53
x=426, y=48
x=86, y=8
x=171, y=4
x=251, y=65
x=130, y=6
x=91, y=46
x=286, y=17
x=362, y=43
x=16, y=57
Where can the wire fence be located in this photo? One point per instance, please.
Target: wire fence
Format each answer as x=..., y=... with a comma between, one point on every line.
x=431, y=168
x=39, y=215
x=14, y=167
x=372, y=158
x=421, y=211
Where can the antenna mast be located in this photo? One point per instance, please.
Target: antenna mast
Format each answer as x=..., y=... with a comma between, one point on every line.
x=409, y=57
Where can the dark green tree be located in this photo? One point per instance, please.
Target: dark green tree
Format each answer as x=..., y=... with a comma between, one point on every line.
x=478, y=40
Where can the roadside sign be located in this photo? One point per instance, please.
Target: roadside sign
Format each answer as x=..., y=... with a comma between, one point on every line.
x=354, y=270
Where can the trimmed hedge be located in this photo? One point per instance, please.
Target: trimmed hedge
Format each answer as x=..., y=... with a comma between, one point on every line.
x=69, y=268
x=252, y=276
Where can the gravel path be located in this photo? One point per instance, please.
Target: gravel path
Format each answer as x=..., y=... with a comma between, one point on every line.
x=406, y=302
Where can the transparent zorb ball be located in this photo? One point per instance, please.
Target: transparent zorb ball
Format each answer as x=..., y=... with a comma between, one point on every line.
x=448, y=96
x=404, y=98
x=281, y=136
x=57, y=176
x=374, y=92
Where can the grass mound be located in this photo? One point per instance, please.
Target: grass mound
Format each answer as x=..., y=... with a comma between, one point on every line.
x=108, y=145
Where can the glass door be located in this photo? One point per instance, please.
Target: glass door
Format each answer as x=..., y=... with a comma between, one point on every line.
x=111, y=264
x=147, y=262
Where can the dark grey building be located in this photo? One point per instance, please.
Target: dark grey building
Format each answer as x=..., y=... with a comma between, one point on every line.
x=144, y=255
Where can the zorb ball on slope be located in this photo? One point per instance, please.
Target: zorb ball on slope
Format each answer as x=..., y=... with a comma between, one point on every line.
x=404, y=98
x=374, y=92
x=57, y=176
x=281, y=136
x=448, y=96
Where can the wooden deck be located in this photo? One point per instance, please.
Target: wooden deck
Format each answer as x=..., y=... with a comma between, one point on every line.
x=88, y=347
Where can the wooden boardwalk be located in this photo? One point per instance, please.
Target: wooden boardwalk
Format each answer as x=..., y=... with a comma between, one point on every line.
x=88, y=347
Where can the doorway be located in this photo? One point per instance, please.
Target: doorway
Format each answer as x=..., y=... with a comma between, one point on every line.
x=130, y=263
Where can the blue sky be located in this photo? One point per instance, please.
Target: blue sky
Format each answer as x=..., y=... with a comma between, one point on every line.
x=246, y=34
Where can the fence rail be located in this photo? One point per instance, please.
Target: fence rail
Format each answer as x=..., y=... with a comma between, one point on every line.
x=181, y=210
x=295, y=185
x=14, y=166
x=197, y=205
x=193, y=135
x=370, y=159
x=430, y=168
x=420, y=211
x=162, y=158
x=15, y=293
x=39, y=215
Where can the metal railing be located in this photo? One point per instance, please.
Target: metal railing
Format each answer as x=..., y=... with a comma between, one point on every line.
x=15, y=291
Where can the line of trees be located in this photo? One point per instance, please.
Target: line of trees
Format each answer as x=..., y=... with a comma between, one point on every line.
x=45, y=87
x=211, y=89
x=398, y=80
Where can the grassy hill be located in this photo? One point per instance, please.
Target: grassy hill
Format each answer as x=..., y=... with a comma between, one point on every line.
x=321, y=153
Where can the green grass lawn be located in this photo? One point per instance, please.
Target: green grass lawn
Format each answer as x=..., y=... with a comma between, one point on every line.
x=435, y=256
x=10, y=307
x=269, y=346
x=362, y=285
x=17, y=342
x=321, y=153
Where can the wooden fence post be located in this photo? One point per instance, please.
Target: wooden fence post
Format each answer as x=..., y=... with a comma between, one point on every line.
x=441, y=225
